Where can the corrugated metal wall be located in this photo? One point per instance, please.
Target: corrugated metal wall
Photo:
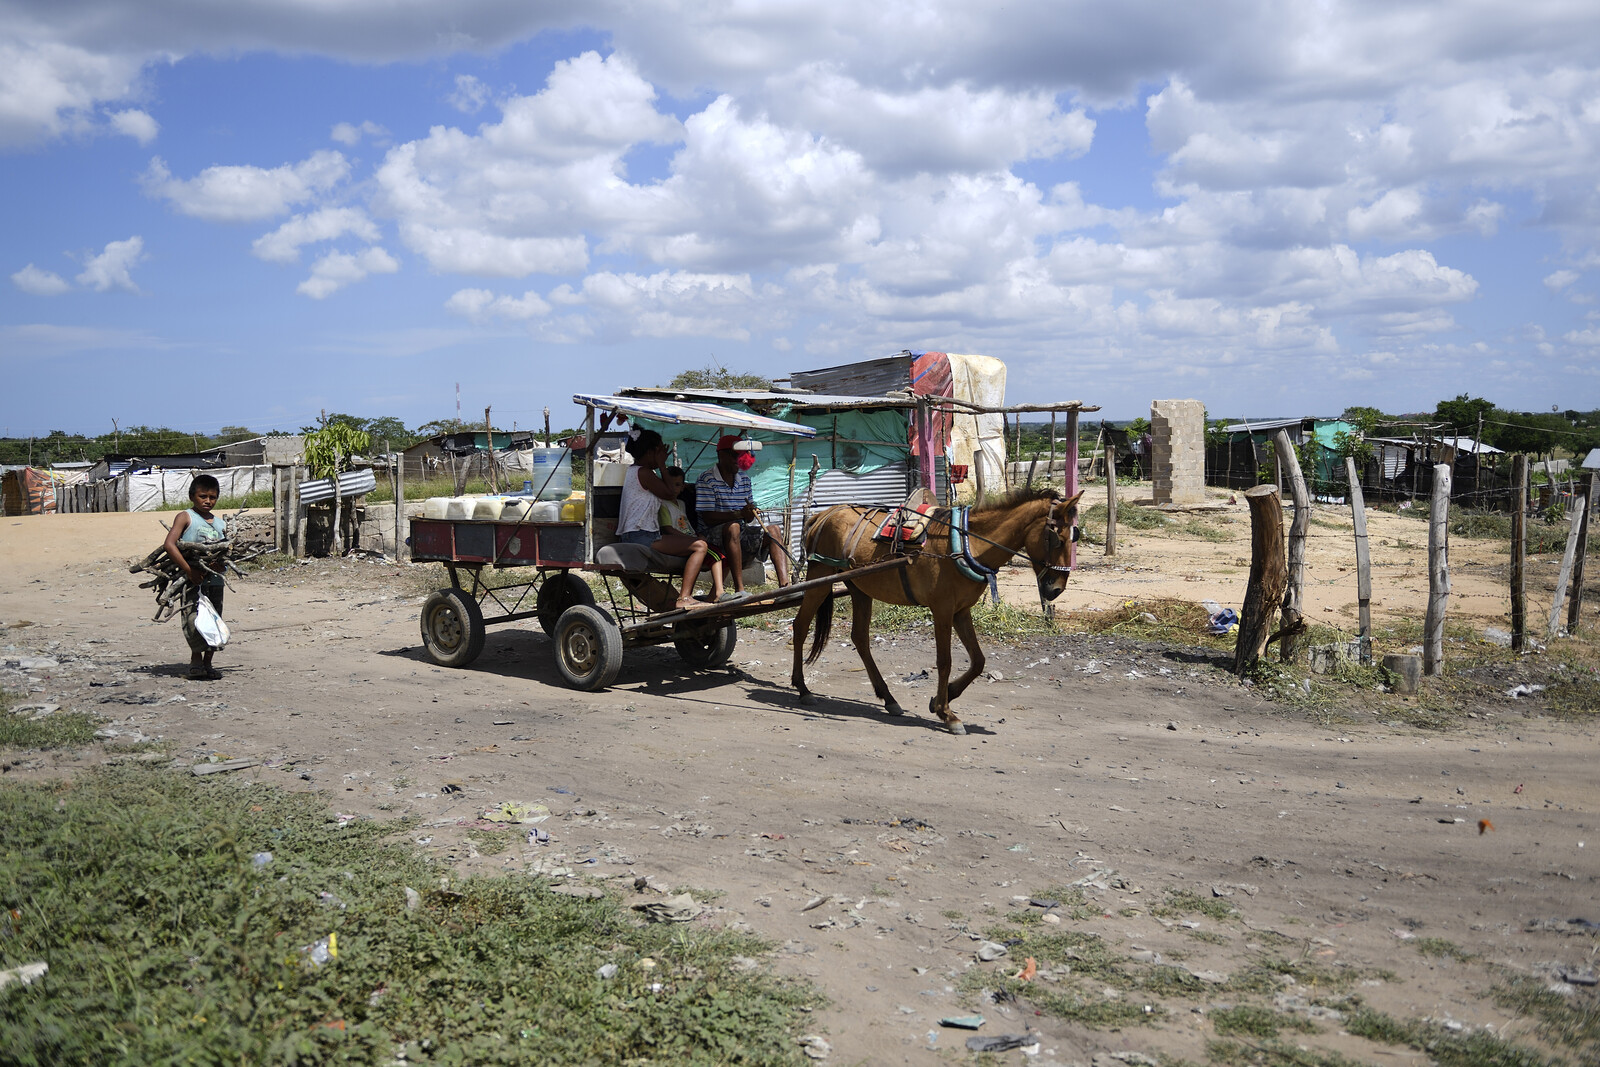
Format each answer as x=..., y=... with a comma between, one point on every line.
x=883, y=487
x=873, y=377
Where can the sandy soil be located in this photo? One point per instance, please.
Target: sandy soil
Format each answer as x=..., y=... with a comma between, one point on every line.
x=1137, y=770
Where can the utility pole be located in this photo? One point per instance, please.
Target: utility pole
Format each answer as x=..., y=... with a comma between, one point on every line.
x=458, y=403
x=116, y=432
x=547, y=425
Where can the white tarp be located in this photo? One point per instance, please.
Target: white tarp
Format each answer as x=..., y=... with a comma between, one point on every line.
x=978, y=441
x=148, y=492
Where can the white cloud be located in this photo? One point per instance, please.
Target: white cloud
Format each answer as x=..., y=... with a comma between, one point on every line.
x=481, y=304
x=136, y=124
x=43, y=340
x=39, y=282
x=110, y=269
x=336, y=270
x=283, y=244
x=347, y=133
x=470, y=94
x=246, y=193
x=48, y=88
x=1559, y=280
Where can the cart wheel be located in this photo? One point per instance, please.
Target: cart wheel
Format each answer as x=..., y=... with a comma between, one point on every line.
x=559, y=592
x=588, y=647
x=452, y=627
x=705, y=645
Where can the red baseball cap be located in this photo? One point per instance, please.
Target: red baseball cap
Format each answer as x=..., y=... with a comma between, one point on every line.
x=726, y=442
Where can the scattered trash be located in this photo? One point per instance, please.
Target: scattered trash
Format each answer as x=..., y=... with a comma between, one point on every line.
x=919, y=676
x=584, y=892
x=1484, y=824
x=679, y=909
x=1172, y=725
x=999, y=1042
x=1092, y=667
x=413, y=899
x=1225, y=621
x=1518, y=789
x=1523, y=690
x=1050, y=917
x=1145, y=616
x=35, y=711
x=995, y=676
x=322, y=951
x=525, y=814
x=989, y=951
x=260, y=859
x=815, y=902
x=608, y=970
x=1029, y=970
x=537, y=836
x=27, y=974
x=1451, y=822
x=1496, y=636
x=963, y=1022
x=1581, y=977
x=815, y=1046
x=1404, y=935
x=450, y=787
x=224, y=765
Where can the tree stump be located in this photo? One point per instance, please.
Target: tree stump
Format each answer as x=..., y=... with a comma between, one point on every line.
x=1294, y=590
x=1269, y=576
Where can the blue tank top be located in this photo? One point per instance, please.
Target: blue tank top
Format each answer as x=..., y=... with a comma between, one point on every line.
x=199, y=530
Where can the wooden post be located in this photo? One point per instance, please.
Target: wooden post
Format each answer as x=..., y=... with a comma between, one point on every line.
x=1294, y=591
x=400, y=526
x=1070, y=489
x=1053, y=448
x=1268, y=576
x=302, y=519
x=1519, y=551
x=1575, y=605
x=488, y=463
x=1580, y=508
x=1358, y=512
x=1111, y=502
x=1438, y=573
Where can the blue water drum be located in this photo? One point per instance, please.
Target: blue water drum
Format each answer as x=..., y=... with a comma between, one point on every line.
x=552, y=473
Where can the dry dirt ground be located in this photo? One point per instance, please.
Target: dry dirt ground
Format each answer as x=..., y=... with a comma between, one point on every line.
x=1121, y=768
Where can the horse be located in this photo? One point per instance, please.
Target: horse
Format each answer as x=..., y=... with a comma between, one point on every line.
x=947, y=577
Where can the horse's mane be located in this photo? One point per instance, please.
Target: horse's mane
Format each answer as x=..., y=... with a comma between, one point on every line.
x=1015, y=498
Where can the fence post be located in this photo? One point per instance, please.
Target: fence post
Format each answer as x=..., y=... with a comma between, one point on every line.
x=1519, y=551
x=1438, y=573
x=1294, y=592
x=1268, y=577
x=1580, y=508
x=1358, y=512
x=1575, y=605
x=1111, y=501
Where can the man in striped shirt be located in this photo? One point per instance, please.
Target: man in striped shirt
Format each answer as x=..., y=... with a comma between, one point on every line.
x=729, y=519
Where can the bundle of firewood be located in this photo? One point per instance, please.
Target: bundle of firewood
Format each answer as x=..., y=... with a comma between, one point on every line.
x=169, y=582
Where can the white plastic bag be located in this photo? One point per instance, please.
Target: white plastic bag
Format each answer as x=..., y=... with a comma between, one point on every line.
x=209, y=624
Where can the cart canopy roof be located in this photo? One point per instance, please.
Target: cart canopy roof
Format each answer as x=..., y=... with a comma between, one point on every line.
x=678, y=412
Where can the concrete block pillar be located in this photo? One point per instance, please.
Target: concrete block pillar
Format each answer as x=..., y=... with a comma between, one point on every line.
x=1178, y=442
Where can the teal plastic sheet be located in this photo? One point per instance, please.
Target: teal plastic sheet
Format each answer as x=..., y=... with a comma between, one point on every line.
x=854, y=441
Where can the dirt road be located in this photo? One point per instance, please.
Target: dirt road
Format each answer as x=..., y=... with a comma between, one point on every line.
x=1093, y=765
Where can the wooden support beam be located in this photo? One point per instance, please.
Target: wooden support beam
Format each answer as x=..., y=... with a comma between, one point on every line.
x=1111, y=502
x=1294, y=591
x=1438, y=573
x=1358, y=513
x=1269, y=577
x=1519, y=551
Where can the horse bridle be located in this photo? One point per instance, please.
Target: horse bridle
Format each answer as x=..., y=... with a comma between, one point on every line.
x=1052, y=539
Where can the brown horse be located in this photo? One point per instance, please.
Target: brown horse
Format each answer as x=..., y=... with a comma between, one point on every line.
x=1039, y=524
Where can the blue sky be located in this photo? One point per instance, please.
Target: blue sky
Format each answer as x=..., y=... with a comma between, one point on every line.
x=244, y=218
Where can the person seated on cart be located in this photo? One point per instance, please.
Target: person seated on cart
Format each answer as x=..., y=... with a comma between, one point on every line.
x=728, y=516
x=639, y=522
x=674, y=516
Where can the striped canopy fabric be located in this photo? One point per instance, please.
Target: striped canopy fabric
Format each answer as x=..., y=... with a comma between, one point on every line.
x=678, y=411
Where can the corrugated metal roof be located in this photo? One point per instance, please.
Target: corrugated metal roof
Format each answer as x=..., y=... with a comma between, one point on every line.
x=678, y=412
x=1591, y=462
x=754, y=397
x=351, y=483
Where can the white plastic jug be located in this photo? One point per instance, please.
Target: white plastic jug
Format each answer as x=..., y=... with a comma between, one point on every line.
x=552, y=473
x=487, y=508
x=545, y=511
x=458, y=507
x=516, y=509
x=434, y=507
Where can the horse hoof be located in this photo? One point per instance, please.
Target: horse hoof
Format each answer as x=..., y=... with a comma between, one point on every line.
x=892, y=708
x=807, y=700
x=959, y=729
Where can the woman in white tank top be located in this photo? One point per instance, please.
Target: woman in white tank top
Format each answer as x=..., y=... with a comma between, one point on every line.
x=643, y=490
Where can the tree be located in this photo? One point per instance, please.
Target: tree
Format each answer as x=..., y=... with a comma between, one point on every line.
x=441, y=426
x=715, y=376
x=1462, y=414
x=229, y=434
x=328, y=452
x=1531, y=432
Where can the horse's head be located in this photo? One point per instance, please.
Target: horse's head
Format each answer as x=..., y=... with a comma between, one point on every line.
x=1049, y=545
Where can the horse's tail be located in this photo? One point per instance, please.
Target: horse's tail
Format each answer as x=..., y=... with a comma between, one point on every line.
x=822, y=625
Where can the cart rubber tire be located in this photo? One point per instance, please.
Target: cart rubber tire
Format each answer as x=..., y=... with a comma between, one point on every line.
x=557, y=593
x=452, y=627
x=705, y=645
x=588, y=647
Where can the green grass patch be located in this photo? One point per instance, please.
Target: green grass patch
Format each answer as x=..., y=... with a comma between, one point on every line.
x=61, y=729
x=1572, y=1021
x=1180, y=902
x=1445, y=1047
x=1440, y=948
x=1252, y=1020
x=1273, y=1054
x=168, y=944
x=1179, y=622
x=1203, y=530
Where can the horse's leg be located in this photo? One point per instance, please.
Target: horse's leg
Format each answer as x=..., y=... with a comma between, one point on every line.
x=939, y=703
x=969, y=641
x=813, y=602
x=861, y=634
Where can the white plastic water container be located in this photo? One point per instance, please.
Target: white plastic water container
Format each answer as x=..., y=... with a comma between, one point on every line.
x=607, y=473
x=458, y=507
x=434, y=507
x=516, y=509
x=545, y=511
x=487, y=508
x=552, y=473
